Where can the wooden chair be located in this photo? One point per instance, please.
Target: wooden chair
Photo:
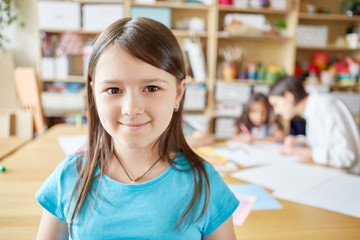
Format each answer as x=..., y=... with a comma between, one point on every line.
x=28, y=93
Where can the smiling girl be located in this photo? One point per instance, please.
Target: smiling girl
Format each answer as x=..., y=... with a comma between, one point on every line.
x=138, y=178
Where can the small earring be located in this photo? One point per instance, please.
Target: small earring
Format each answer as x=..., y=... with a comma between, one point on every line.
x=176, y=108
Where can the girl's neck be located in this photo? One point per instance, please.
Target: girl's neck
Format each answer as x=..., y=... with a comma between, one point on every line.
x=136, y=162
x=300, y=106
x=136, y=157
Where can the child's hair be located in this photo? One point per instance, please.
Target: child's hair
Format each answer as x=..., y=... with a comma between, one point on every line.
x=152, y=43
x=245, y=119
x=290, y=84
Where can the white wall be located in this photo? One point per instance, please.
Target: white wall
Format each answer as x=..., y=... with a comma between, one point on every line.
x=25, y=42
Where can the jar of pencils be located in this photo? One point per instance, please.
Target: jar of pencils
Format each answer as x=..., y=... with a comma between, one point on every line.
x=228, y=70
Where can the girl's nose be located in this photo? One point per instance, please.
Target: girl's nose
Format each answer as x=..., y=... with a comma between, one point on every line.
x=131, y=105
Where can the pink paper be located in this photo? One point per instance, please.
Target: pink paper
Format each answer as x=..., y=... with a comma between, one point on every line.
x=244, y=208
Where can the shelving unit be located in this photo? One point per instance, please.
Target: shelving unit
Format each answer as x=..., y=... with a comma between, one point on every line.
x=265, y=48
x=336, y=22
x=332, y=17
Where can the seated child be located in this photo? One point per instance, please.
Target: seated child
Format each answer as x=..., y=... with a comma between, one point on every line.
x=257, y=122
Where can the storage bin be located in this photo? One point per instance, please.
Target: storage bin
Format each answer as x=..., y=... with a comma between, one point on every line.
x=96, y=17
x=308, y=35
x=195, y=97
x=162, y=15
x=63, y=101
x=224, y=127
x=59, y=15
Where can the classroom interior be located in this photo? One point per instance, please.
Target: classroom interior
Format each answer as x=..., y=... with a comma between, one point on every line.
x=232, y=50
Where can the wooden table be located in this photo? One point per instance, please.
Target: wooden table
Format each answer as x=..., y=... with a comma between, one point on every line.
x=11, y=144
x=30, y=166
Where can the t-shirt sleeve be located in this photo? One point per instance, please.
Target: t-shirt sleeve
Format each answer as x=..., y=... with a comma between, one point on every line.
x=222, y=202
x=51, y=193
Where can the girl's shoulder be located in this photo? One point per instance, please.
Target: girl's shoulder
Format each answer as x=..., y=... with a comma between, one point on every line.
x=72, y=160
x=68, y=167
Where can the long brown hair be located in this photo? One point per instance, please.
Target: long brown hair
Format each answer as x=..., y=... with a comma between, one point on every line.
x=153, y=43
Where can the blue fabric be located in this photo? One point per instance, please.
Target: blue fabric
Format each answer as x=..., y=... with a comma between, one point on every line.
x=144, y=211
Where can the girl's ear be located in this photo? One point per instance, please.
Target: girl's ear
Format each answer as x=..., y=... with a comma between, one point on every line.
x=289, y=96
x=180, y=91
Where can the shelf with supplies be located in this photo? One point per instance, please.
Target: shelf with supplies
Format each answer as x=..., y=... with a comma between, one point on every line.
x=264, y=10
x=256, y=36
x=327, y=44
x=70, y=78
x=80, y=31
x=174, y=5
x=262, y=40
x=75, y=23
x=328, y=17
x=188, y=33
x=62, y=113
x=328, y=47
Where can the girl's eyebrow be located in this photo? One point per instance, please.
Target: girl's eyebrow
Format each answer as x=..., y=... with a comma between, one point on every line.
x=146, y=81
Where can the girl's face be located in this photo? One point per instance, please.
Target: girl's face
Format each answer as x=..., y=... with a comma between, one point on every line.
x=258, y=113
x=283, y=105
x=135, y=100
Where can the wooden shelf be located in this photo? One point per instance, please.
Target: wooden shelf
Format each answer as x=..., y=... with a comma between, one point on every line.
x=353, y=87
x=100, y=2
x=329, y=17
x=327, y=48
x=174, y=5
x=266, y=10
x=187, y=33
x=86, y=2
x=70, y=78
x=249, y=82
x=62, y=112
x=226, y=35
x=189, y=111
x=177, y=32
x=81, y=31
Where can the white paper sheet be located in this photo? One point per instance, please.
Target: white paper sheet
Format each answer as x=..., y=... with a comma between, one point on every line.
x=71, y=144
x=249, y=155
x=291, y=178
x=339, y=194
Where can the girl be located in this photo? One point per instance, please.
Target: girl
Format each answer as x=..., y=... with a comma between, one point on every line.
x=331, y=134
x=138, y=178
x=257, y=122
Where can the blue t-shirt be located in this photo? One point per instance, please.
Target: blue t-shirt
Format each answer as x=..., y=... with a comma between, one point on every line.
x=143, y=211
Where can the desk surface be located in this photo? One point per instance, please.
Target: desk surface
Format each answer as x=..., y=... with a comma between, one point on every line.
x=10, y=144
x=30, y=166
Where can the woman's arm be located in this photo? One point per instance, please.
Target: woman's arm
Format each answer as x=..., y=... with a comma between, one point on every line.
x=51, y=228
x=224, y=232
x=277, y=136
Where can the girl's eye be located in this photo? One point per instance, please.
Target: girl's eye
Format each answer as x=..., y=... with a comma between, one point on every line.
x=151, y=89
x=113, y=90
